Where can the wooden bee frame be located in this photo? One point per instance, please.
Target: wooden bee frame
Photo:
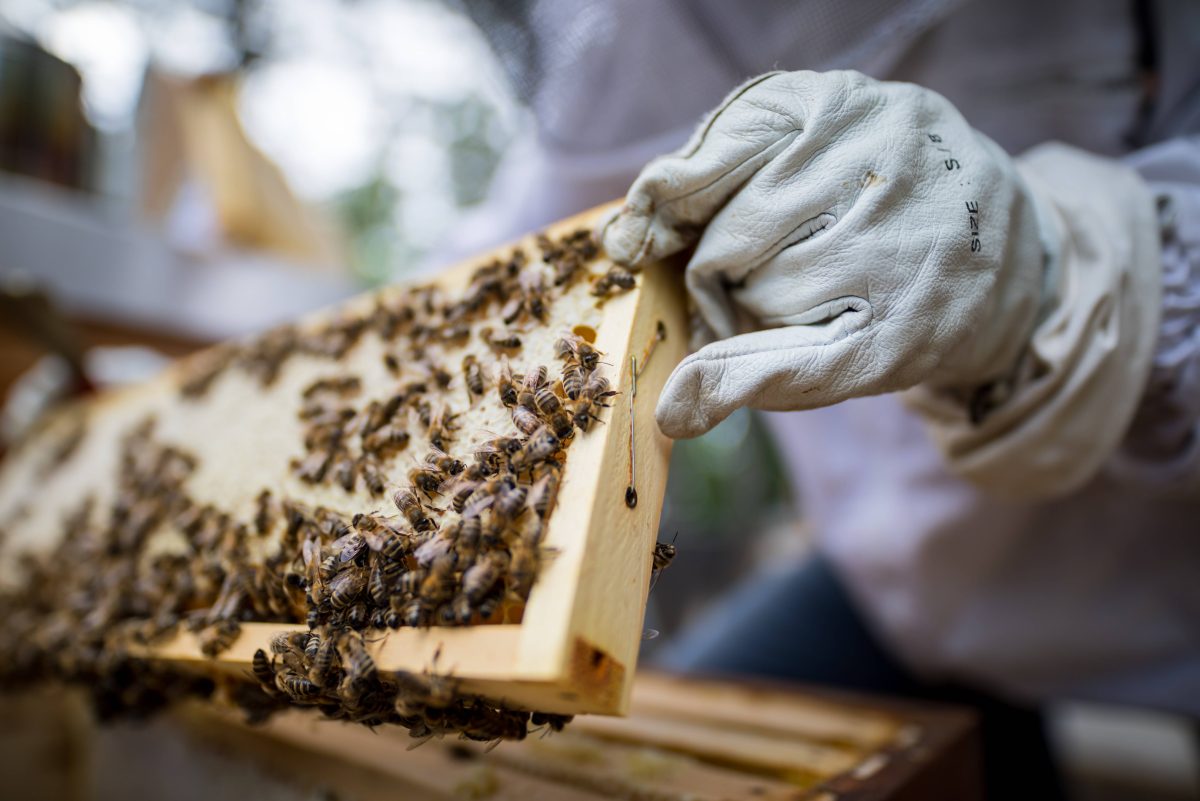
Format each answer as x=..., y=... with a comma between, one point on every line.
x=575, y=647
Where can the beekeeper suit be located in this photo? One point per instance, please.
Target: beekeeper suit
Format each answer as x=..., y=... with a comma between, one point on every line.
x=989, y=363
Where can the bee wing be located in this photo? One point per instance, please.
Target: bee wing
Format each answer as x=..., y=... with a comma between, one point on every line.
x=477, y=506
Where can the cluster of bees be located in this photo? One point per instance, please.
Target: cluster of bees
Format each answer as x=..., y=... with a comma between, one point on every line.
x=456, y=538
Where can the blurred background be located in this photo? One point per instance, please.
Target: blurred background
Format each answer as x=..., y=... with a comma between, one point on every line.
x=177, y=172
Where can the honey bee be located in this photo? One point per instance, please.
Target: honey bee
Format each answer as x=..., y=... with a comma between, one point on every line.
x=506, y=386
x=461, y=492
x=427, y=479
x=456, y=334
x=510, y=500
x=386, y=441
x=263, y=670
x=480, y=577
x=473, y=377
x=345, y=471
x=504, y=343
x=218, y=637
x=321, y=666
x=585, y=412
x=664, y=553
x=523, y=568
x=555, y=723
x=617, y=278
x=543, y=494
x=572, y=380
x=409, y=505
x=526, y=421
x=297, y=687
x=534, y=287
x=531, y=382
x=597, y=388
x=543, y=444
x=263, y=512
x=441, y=428
x=547, y=402
x=337, y=385
x=349, y=547
x=289, y=642
x=445, y=463
x=312, y=469
x=572, y=346
x=437, y=583
x=562, y=424
x=346, y=587
x=372, y=476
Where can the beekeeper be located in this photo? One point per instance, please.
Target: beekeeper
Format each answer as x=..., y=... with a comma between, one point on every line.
x=969, y=273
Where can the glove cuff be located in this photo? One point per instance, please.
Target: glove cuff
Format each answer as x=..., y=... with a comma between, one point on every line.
x=1077, y=384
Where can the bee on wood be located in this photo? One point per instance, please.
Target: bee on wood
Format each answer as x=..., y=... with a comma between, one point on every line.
x=543, y=494
x=661, y=558
x=372, y=476
x=664, y=553
x=562, y=424
x=473, y=377
x=587, y=411
x=555, y=723
x=571, y=346
x=218, y=637
x=617, y=278
x=410, y=506
x=469, y=532
x=542, y=445
x=263, y=670
x=504, y=343
x=526, y=421
x=572, y=380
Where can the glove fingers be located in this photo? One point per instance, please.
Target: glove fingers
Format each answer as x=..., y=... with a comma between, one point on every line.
x=676, y=195
x=798, y=367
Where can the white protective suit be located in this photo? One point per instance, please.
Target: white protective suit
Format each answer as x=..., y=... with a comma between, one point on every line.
x=968, y=562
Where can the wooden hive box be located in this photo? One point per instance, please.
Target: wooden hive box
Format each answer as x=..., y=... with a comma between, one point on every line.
x=573, y=648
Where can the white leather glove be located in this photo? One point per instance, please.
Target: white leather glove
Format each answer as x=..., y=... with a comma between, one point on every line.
x=852, y=237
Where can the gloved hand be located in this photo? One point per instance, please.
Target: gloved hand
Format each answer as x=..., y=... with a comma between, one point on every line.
x=852, y=237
